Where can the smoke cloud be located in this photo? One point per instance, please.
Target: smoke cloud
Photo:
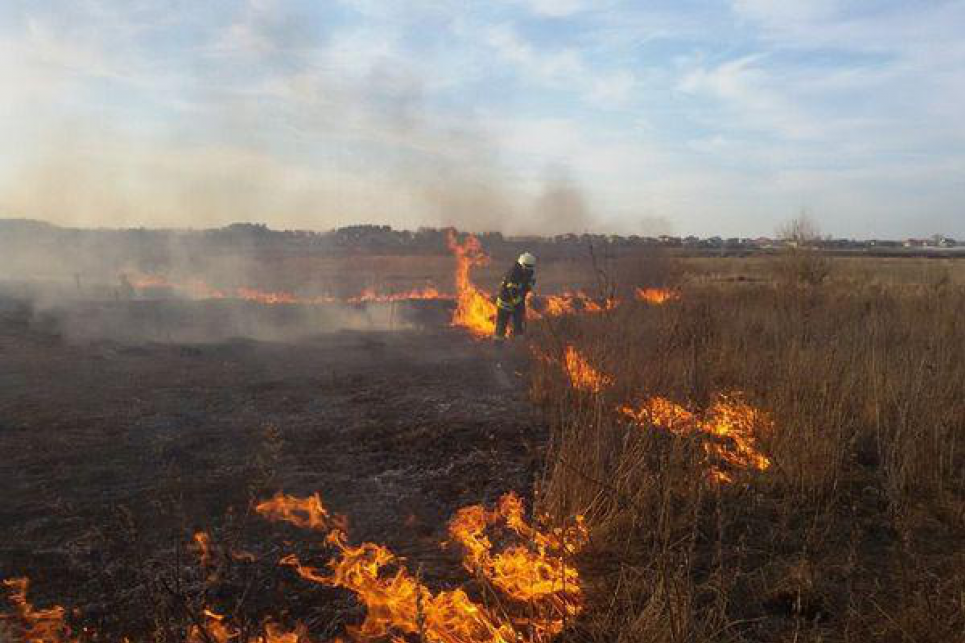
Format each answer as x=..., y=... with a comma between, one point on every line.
x=275, y=119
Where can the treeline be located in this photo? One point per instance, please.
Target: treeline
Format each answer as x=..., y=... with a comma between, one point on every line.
x=19, y=236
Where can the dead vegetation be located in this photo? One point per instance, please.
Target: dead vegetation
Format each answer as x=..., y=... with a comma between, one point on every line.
x=854, y=529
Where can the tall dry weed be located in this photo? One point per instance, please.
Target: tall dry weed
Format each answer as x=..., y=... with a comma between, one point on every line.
x=852, y=533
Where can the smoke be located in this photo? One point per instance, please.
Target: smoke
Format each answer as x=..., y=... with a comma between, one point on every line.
x=182, y=321
x=561, y=207
x=277, y=118
x=654, y=226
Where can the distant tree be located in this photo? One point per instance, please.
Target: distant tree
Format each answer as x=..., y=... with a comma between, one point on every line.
x=802, y=231
x=802, y=263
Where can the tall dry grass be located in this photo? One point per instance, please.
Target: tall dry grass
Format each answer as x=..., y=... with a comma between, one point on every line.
x=856, y=530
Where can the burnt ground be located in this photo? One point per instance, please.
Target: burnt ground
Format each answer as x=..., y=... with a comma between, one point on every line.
x=115, y=452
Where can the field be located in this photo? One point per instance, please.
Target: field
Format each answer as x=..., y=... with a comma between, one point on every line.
x=775, y=451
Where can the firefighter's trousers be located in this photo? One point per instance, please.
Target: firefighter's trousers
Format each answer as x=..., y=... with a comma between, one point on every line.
x=518, y=316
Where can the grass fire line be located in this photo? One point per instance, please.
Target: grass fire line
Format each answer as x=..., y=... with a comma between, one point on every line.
x=729, y=429
x=534, y=574
x=475, y=310
x=539, y=586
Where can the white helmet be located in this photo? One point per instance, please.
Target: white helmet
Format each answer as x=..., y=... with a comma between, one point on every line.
x=527, y=260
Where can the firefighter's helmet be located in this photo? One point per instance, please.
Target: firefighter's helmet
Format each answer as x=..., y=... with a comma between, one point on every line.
x=526, y=260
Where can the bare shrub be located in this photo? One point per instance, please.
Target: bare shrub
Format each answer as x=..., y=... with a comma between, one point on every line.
x=802, y=263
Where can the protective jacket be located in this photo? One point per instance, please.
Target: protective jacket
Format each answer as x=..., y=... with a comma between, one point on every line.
x=517, y=283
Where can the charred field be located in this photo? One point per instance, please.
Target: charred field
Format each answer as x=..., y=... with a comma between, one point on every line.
x=118, y=452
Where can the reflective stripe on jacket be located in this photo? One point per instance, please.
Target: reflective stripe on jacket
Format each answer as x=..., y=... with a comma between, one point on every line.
x=519, y=281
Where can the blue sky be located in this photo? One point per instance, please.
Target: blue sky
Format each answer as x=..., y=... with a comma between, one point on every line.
x=678, y=117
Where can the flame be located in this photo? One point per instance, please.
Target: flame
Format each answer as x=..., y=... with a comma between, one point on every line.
x=202, y=545
x=275, y=634
x=738, y=423
x=243, y=556
x=557, y=305
x=474, y=310
x=262, y=297
x=370, y=295
x=214, y=630
x=729, y=427
x=583, y=376
x=194, y=288
x=535, y=574
x=34, y=625
x=399, y=604
x=659, y=411
x=541, y=586
x=148, y=281
x=569, y=303
x=307, y=513
x=657, y=295
x=198, y=289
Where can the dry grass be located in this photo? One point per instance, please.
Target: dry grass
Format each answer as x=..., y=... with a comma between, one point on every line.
x=844, y=270
x=855, y=531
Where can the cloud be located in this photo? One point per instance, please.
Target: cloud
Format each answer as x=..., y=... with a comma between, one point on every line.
x=753, y=99
x=555, y=8
x=562, y=69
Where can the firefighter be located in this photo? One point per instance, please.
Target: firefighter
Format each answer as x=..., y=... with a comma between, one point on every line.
x=511, y=302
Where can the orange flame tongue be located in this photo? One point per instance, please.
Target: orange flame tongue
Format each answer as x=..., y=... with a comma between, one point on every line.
x=307, y=513
x=537, y=575
x=398, y=604
x=36, y=625
x=737, y=422
x=198, y=289
x=569, y=303
x=730, y=425
x=370, y=295
x=659, y=411
x=263, y=297
x=474, y=310
x=583, y=376
x=657, y=295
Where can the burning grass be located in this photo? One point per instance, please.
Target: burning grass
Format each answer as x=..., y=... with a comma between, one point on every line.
x=582, y=376
x=825, y=501
x=730, y=431
x=28, y=623
x=534, y=587
x=198, y=289
x=475, y=310
x=535, y=575
x=656, y=295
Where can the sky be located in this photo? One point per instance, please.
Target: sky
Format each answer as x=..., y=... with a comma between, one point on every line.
x=526, y=116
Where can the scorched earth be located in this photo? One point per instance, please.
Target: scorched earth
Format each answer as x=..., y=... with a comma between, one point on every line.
x=117, y=454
